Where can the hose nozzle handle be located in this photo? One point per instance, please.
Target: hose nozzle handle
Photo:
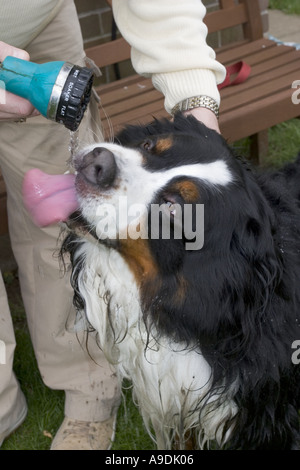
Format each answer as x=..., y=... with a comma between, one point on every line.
x=60, y=91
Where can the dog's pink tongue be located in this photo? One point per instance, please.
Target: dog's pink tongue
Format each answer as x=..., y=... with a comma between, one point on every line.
x=49, y=198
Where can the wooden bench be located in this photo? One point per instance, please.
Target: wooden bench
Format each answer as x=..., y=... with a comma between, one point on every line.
x=247, y=110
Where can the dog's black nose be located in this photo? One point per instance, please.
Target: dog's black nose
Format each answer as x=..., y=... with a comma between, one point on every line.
x=99, y=167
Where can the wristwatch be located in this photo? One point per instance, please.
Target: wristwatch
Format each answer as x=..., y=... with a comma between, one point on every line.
x=201, y=101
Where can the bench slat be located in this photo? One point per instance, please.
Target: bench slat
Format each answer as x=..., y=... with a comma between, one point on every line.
x=265, y=89
x=139, y=115
x=226, y=18
x=256, y=79
x=142, y=85
x=260, y=116
x=109, y=53
x=147, y=109
x=278, y=61
x=244, y=50
x=263, y=55
x=136, y=101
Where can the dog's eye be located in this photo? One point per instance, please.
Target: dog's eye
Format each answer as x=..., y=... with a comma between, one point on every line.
x=147, y=145
x=171, y=207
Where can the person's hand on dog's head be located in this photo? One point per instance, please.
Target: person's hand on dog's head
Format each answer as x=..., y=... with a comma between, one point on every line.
x=206, y=116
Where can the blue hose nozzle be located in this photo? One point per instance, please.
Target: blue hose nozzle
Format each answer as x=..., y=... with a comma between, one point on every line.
x=60, y=91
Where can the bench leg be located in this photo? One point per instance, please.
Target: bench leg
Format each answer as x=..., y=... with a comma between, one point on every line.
x=259, y=146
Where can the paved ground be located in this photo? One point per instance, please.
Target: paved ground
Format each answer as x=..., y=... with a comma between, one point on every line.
x=284, y=27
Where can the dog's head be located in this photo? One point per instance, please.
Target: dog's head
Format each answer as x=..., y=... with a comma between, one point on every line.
x=193, y=225
x=169, y=187
x=152, y=184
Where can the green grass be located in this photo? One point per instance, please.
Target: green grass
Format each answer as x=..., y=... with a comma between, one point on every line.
x=287, y=6
x=284, y=144
x=45, y=406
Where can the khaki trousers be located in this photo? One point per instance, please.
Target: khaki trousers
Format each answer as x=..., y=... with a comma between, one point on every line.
x=90, y=385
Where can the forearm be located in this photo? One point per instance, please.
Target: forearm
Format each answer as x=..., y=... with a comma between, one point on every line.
x=168, y=39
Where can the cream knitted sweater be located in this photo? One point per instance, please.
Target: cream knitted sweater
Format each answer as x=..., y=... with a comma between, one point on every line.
x=168, y=39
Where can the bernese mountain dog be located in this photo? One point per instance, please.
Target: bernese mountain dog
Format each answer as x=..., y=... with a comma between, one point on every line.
x=186, y=261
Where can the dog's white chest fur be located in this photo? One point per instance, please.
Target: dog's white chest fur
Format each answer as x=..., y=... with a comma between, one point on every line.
x=170, y=383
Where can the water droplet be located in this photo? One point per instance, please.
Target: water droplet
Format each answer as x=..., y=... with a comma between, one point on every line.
x=74, y=142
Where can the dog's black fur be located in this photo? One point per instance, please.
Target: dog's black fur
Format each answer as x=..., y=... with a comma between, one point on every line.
x=241, y=303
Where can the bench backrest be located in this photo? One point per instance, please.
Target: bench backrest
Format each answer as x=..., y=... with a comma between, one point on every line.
x=231, y=14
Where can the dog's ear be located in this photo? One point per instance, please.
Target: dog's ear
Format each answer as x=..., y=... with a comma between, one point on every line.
x=228, y=297
x=249, y=293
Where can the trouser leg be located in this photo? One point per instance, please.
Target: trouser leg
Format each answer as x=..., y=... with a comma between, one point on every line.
x=12, y=401
x=90, y=385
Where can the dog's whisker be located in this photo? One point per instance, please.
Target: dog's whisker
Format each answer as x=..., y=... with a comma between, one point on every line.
x=110, y=137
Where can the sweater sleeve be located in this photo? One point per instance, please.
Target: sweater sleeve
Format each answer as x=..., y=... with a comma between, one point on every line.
x=168, y=44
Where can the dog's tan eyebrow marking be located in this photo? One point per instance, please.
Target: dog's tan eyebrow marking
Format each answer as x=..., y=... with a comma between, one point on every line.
x=163, y=144
x=187, y=189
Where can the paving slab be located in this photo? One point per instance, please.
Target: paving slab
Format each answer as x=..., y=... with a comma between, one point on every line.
x=284, y=27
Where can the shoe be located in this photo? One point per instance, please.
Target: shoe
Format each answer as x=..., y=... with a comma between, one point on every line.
x=5, y=434
x=84, y=435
